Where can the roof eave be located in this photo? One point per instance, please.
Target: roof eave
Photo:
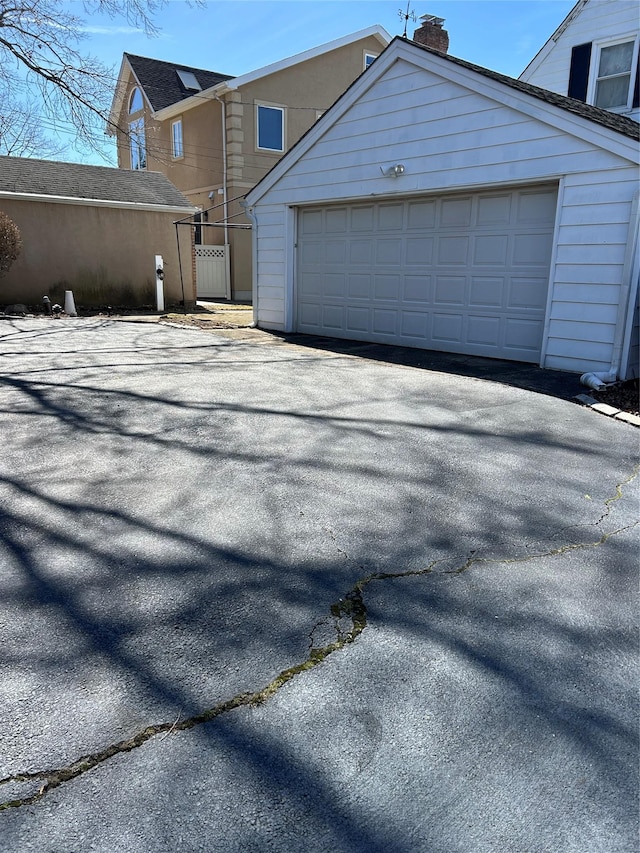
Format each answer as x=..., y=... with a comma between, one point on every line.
x=98, y=202
x=376, y=30
x=118, y=97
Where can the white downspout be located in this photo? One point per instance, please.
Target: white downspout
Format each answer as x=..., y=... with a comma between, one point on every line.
x=225, y=207
x=254, y=258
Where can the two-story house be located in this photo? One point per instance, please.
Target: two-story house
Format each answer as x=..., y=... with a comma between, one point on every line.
x=215, y=136
x=593, y=56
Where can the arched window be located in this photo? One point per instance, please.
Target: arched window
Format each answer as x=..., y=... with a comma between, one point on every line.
x=135, y=101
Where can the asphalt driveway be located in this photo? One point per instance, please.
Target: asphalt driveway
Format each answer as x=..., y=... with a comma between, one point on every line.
x=265, y=597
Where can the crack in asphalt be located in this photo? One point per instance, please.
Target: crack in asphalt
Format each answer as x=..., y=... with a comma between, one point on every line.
x=350, y=608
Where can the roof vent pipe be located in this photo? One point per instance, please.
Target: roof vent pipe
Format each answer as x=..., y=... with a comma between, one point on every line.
x=431, y=34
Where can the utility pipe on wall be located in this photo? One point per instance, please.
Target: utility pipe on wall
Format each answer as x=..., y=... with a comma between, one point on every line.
x=225, y=204
x=254, y=259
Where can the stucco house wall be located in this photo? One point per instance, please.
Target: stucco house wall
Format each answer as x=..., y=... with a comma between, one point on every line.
x=101, y=248
x=305, y=85
x=456, y=129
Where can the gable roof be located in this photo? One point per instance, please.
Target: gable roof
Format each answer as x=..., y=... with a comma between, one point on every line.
x=27, y=177
x=162, y=87
x=376, y=30
x=621, y=124
x=611, y=121
x=553, y=38
x=161, y=83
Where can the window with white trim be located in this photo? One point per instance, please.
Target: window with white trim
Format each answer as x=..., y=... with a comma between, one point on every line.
x=614, y=75
x=269, y=128
x=369, y=58
x=137, y=144
x=177, y=150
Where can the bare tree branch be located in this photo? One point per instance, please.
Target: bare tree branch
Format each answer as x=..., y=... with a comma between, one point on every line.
x=42, y=50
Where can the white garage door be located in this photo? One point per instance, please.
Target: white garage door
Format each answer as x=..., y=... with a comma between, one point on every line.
x=460, y=273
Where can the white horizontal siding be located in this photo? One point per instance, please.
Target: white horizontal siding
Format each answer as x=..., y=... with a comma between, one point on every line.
x=271, y=272
x=592, y=234
x=450, y=138
x=462, y=140
x=599, y=19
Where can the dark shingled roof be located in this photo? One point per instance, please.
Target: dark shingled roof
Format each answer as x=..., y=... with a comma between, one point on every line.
x=621, y=124
x=162, y=85
x=76, y=180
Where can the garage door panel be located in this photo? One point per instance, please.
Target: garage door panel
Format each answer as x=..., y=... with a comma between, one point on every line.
x=523, y=334
x=417, y=288
x=448, y=327
x=462, y=273
x=450, y=290
x=311, y=252
x=362, y=218
x=415, y=324
x=310, y=315
x=419, y=250
x=385, y=322
x=333, y=317
x=491, y=249
x=389, y=252
x=421, y=214
x=456, y=212
x=483, y=330
x=486, y=292
x=334, y=284
x=494, y=210
x=453, y=250
x=390, y=217
x=359, y=286
x=533, y=250
x=526, y=293
x=536, y=208
x=335, y=252
x=387, y=287
x=311, y=222
x=358, y=319
x=311, y=284
x=336, y=220
x=361, y=252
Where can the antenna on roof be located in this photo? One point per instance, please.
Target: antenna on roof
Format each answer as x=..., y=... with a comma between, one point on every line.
x=406, y=16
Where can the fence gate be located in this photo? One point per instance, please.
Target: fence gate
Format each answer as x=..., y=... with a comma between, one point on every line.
x=212, y=272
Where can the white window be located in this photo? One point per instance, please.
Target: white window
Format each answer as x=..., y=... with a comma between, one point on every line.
x=614, y=75
x=137, y=144
x=269, y=128
x=368, y=59
x=177, y=150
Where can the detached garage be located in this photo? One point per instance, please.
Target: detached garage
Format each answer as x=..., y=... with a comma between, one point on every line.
x=443, y=206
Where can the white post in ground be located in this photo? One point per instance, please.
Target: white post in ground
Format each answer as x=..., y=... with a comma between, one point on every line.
x=159, y=283
x=69, y=304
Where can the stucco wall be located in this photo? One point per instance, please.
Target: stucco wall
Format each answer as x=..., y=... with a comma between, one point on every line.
x=103, y=254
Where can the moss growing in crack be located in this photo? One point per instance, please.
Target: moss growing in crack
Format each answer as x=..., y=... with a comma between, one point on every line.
x=351, y=607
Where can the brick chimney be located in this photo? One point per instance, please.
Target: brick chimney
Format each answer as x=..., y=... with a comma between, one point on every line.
x=431, y=34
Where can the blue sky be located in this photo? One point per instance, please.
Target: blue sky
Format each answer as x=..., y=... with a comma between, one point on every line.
x=237, y=36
